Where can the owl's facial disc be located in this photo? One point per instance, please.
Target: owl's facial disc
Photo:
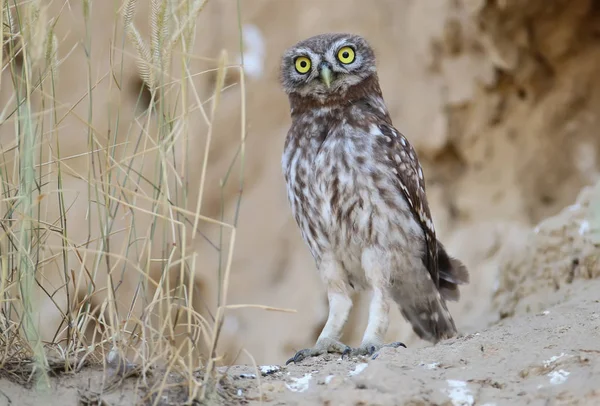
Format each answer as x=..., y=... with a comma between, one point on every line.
x=326, y=66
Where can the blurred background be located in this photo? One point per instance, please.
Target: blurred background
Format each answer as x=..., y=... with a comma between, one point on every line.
x=500, y=98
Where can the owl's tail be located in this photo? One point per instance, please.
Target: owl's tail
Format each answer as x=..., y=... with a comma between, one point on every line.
x=424, y=308
x=423, y=305
x=452, y=273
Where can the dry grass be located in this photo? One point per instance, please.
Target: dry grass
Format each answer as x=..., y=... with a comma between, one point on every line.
x=141, y=211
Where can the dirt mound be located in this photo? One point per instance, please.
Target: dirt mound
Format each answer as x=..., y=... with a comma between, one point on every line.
x=559, y=250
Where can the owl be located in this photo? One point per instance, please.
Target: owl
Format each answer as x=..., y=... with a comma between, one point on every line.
x=357, y=192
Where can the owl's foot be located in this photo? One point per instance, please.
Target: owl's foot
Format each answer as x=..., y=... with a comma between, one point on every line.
x=322, y=347
x=370, y=349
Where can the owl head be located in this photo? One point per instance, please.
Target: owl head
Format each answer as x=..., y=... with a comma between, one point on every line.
x=326, y=65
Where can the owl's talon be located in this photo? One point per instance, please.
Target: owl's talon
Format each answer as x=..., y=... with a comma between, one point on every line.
x=372, y=350
x=325, y=346
x=302, y=354
x=396, y=344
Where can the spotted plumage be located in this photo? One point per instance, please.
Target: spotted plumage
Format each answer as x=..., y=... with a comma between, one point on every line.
x=357, y=192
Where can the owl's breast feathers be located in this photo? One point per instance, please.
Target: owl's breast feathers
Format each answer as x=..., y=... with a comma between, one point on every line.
x=349, y=140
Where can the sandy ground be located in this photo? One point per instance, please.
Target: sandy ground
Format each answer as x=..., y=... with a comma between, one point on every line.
x=548, y=358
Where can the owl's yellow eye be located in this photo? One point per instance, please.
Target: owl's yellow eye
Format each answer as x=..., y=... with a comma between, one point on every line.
x=302, y=64
x=346, y=55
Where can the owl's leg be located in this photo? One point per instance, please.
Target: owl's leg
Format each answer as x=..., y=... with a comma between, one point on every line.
x=374, y=263
x=340, y=304
x=373, y=338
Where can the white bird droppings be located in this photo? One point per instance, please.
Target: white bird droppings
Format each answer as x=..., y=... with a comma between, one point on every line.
x=248, y=376
x=553, y=359
x=359, y=368
x=584, y=227
x=299, y=384
x=269, y=369
x=558, y=377
x=459, y=393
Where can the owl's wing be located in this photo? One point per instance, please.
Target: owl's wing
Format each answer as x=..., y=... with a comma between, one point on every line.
x=406, y=165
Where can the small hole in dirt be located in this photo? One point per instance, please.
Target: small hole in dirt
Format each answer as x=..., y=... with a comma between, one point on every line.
x=521, y=93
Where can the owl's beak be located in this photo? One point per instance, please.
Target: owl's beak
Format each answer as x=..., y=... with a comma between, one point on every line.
x=325, y=74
